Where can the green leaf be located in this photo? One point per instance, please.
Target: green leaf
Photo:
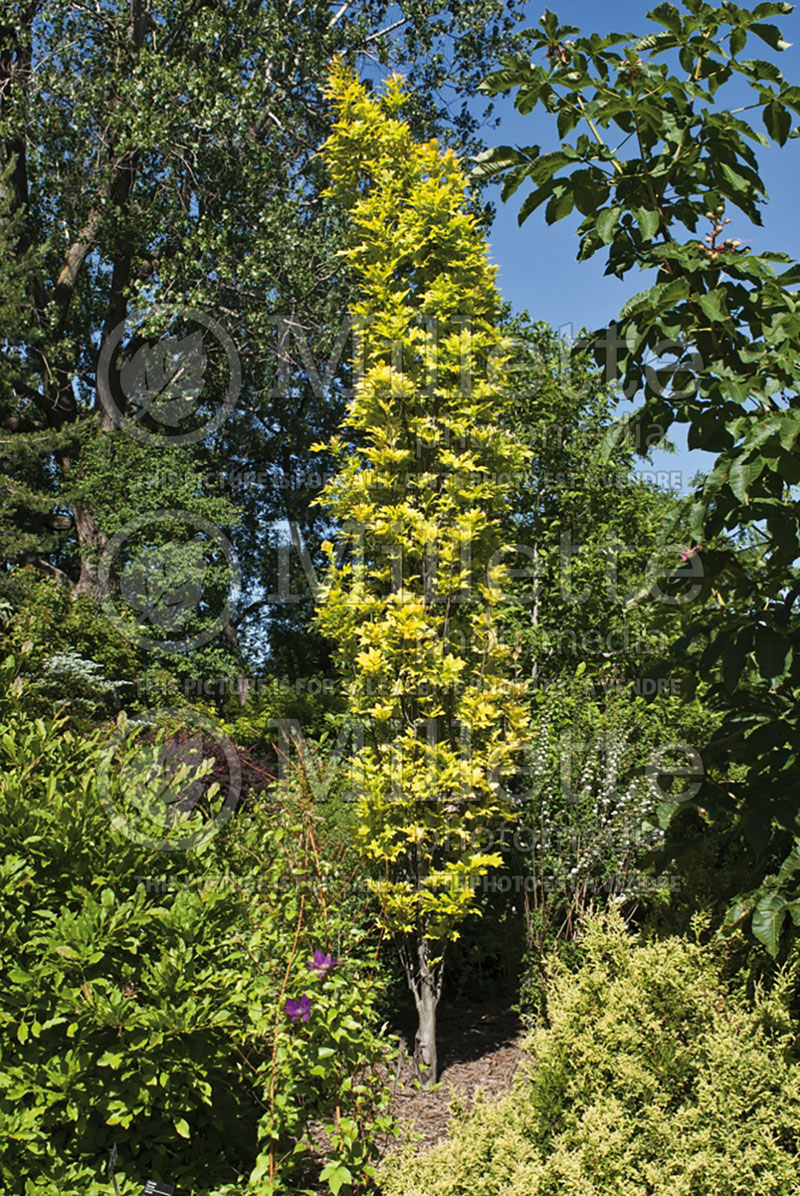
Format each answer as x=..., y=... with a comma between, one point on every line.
x=697, y=515
x=668, y=15
x=740, y=185
x=770, y=34
x=742, y=475
x=733, y=661
x=495, y=160
x=112, y=1059
x=768, y=918
x=636, y=303
x=790, y=865
x=560, y=205
x=648, y=222
x=738, y=40
x=773, y=654
x=712, y=305
x=778, y=122
x=336, y=1174
x=789, y=430
x=260, y=1170
x=532, y=201
x=606, y=223
x=760, y=69
x=182, y=1127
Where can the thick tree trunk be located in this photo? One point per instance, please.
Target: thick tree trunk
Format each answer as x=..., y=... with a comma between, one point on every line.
x=90, y=544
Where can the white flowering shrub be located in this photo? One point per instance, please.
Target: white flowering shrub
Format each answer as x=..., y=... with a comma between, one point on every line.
x=598, y=785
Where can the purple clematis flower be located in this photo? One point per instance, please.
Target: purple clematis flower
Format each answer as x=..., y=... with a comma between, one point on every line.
x=322, y=964
x=299, y=1011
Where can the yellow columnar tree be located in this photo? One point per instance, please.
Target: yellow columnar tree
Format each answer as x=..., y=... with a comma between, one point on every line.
x=412, y=592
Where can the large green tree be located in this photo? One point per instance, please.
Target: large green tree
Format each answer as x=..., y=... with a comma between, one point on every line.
x=164, y=153
x=652, y=152
x=608, y=706
x=584, y=524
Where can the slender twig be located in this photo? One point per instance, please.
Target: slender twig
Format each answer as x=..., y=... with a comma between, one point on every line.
x=334, y=19
x=373, y=37
x=281, y=995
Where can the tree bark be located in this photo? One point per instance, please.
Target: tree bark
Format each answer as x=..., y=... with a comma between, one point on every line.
x=242, y=680
x=90, y=544
x=427, y=1001
x=425, y=981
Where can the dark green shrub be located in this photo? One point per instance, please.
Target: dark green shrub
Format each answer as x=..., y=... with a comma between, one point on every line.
x=144, y=997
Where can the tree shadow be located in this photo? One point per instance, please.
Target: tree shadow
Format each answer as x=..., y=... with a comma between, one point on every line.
x=466, y=1031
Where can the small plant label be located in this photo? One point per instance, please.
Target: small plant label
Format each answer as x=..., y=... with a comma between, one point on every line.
x=154, y=1188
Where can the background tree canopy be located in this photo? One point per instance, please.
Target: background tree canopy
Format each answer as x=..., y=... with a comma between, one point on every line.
x=167, y=155
x=649, y=156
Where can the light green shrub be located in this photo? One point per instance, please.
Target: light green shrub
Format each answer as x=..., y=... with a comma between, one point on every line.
x=652, y=1076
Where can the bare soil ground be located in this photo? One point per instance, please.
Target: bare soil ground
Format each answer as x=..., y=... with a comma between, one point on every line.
x=479, y=1047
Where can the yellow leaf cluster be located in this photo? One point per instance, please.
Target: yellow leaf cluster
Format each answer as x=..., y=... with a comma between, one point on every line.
x=412, y=604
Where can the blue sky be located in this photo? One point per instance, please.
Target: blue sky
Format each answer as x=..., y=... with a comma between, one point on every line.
x=537, y=266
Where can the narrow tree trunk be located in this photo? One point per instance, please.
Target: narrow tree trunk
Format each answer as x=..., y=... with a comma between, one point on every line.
x=242, y=680
x=425, y=1040
x=426, y=990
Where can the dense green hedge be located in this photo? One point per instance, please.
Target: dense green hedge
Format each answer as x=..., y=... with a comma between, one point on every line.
x=652, y=1076
x=144, y=999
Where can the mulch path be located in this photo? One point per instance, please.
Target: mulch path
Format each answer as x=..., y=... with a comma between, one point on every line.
x=479, y=1047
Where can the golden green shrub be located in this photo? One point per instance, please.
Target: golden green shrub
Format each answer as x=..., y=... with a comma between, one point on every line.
x=651, y=1075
